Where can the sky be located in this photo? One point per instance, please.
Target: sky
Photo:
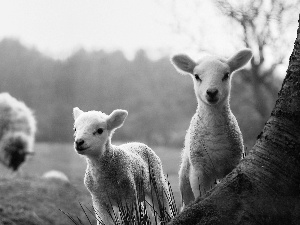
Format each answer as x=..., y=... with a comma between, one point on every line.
x=60, y=27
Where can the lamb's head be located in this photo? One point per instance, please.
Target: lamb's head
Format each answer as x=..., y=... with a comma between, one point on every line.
x=211, y=75
x=94, y=129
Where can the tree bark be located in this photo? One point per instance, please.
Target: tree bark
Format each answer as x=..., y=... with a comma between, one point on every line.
x=265, y=187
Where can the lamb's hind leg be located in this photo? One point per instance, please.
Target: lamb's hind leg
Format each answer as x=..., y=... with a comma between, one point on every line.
x=187, y=194
x=158, y=199
x=158, y=195
x=103, y=213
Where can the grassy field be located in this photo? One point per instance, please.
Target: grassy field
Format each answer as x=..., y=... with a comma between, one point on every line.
x=27, y=191
x=34, y=201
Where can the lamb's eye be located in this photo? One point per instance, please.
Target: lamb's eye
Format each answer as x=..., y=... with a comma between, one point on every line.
x=100, y=131
x=197, y=77
x=226, y=76
x=74, y=129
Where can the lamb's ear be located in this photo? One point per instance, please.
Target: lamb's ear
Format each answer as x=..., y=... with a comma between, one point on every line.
x=239, y=59
x=116, y=119
x=183, y=64
x=76, y=112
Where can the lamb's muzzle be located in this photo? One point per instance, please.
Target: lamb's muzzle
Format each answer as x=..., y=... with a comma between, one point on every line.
x=212, y=95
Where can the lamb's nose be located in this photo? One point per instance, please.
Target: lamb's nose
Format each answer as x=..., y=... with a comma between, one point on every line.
x=79, y=142
x=212, y=92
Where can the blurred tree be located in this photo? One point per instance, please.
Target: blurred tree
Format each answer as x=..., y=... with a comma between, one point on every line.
x=265, y=28
x=63, y=93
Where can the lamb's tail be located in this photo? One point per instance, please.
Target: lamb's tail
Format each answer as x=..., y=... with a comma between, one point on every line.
x=14, y=147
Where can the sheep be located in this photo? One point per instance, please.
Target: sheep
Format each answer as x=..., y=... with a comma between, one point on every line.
x=56, y=175
x=17, y=131
x=115, y=174
x=213, y=143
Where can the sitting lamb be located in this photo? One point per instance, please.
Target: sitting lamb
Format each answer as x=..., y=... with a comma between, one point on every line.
x=115, y=174
x=213, y=143
x=17, y=131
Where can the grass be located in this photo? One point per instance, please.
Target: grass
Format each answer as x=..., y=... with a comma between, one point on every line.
x=35, y=201
x=28, y=199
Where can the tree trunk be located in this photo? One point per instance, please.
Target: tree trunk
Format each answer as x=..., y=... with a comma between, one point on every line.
x=265, y=187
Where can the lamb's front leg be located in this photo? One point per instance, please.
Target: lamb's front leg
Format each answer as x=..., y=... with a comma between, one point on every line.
x=187, y=194
x=200, y=181
x=103, y=213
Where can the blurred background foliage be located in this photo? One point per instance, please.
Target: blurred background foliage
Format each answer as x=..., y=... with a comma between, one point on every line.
x=160, y=101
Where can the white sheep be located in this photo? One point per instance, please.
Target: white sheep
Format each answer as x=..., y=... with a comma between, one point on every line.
x=213, y=143
x=56, y=175
x=116, y=174
x=17, y=131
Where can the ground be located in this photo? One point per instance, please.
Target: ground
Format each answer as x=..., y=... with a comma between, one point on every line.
x=25, y=198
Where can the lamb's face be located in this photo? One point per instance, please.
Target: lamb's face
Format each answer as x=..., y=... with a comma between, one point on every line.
x=212, y=81
x=211, y=75
x=93, y=129
x=91, y=133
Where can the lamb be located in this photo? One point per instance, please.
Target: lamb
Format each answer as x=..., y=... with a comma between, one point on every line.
x=115, y=173
x=213, y=143
x=17, y=131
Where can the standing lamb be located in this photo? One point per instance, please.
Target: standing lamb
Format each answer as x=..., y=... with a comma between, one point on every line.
x=213, y=143
x=114, y=174
x=17, y=131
